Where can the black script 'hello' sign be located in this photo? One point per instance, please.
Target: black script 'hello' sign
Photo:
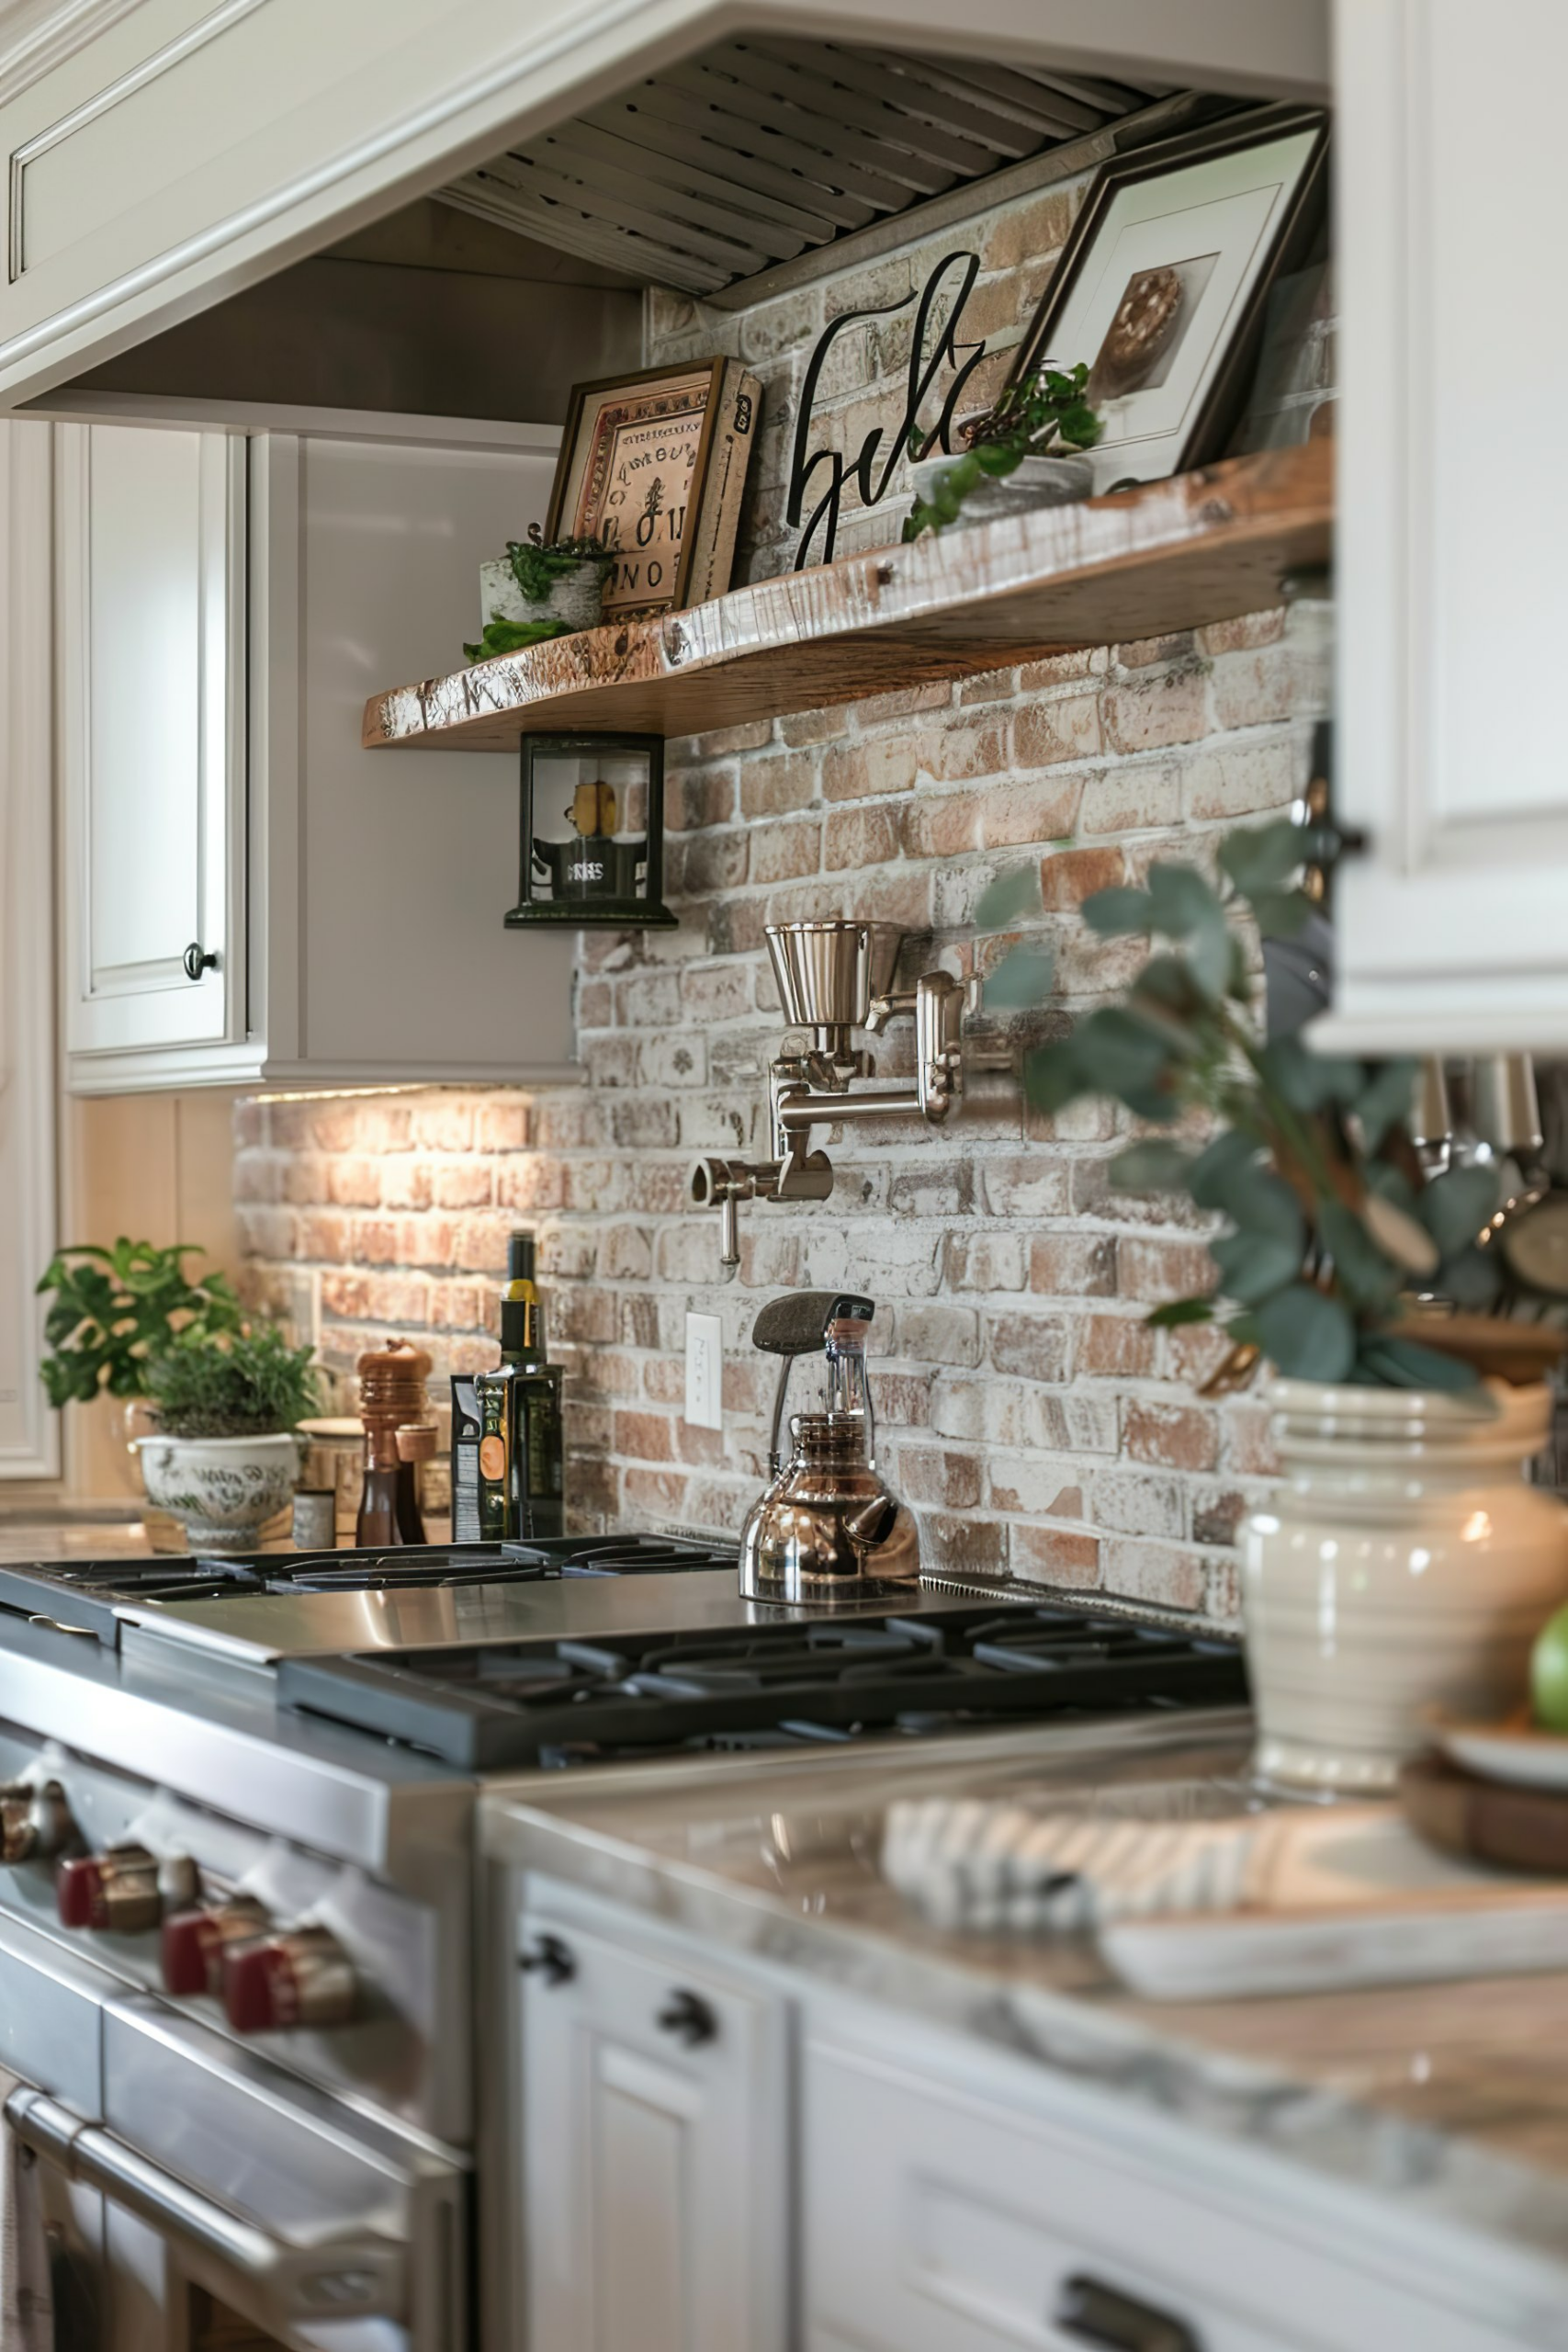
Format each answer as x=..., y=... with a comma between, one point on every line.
x=870, y=470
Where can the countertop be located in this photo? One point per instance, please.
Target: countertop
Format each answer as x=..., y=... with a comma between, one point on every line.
x=1451, y=2100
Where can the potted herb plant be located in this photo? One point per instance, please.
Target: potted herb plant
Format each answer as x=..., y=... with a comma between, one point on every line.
x=111, y=1310
x=1015, y=455
x=1404, y=1561
x=537, y=591
x=225, y=1457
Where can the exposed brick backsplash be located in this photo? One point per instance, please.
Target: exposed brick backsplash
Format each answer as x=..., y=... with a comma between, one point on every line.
x=1028, y=1411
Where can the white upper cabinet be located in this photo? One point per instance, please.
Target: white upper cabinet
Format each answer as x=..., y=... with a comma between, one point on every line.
x=249, y=896
x=1453, y=481
x=150, y=636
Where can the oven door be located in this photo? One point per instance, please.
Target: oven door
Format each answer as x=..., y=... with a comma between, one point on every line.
x=243, y=2208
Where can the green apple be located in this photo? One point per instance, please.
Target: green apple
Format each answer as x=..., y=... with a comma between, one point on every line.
x=1549, y=1673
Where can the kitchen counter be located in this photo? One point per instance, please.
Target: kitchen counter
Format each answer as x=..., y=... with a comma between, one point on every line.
x=1449, y=2100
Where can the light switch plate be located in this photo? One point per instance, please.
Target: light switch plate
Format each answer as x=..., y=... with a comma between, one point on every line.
x=704, y=1371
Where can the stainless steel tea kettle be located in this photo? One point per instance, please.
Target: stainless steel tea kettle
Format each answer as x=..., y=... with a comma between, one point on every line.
x=827, y=1533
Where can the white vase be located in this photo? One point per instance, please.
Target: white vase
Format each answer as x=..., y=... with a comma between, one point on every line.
x=576, y=596
x=221, y=1489
x=1404, y=1564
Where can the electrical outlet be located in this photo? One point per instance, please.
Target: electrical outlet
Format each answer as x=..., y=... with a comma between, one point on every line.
x=704, y=1371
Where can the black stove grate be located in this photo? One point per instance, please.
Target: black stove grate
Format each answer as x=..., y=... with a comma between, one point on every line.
x=515, y=1705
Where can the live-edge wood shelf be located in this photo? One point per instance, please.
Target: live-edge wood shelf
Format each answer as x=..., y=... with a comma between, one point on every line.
x=1170, y=555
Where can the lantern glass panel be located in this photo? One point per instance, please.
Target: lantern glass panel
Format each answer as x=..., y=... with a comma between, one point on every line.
x=591, y=831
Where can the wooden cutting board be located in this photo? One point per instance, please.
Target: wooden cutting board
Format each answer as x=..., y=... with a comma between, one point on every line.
x=1519, y=1829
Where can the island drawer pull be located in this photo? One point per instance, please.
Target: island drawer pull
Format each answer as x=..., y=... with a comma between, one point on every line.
x=1091, y=2313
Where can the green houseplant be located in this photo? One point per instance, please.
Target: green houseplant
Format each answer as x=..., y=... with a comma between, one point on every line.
x=539, y=591
x=114, y=1308
x=1403, y=1560
x=1040, y=416
x=225, y=1457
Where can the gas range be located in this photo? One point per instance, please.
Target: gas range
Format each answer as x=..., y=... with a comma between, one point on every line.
x=238, y=1824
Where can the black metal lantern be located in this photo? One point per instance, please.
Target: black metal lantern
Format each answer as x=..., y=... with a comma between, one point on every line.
x=593, y=833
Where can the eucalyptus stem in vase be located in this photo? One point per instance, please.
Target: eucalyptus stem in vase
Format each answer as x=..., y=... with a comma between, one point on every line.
x=1329, y=1217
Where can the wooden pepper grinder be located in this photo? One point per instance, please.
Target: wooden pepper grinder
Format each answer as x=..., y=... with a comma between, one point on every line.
x=392, y=1406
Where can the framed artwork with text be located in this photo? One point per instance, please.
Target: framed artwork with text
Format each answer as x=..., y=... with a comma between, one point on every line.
x=654, y=464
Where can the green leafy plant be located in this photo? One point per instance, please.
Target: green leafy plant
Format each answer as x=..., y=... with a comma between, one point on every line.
x=536, y=567
x=114, y=1308
x=248, y=1382
x=1028, y=420
x=510, y=636
x=1328, y=1218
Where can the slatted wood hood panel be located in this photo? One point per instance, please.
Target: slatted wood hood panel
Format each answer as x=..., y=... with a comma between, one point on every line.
x=758, y=151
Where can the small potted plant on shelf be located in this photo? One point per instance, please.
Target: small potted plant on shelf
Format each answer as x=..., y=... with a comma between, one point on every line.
x=1405, y=1560
x=111, y=1310
x=1014, y=458
x=225, y=1457
x=537, y=591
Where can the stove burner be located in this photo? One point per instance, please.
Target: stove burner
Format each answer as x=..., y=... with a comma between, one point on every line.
x=485, y=1706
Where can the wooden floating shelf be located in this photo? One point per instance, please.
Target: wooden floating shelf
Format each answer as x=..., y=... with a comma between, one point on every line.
x=1170, y=555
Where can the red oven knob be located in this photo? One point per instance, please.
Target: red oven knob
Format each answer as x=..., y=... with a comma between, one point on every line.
x=302, y=1977
x=34, y=1821
x=125, y=1888
x=194, y=1942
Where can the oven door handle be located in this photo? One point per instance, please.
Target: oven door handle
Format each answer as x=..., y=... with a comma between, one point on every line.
x=363, y=2276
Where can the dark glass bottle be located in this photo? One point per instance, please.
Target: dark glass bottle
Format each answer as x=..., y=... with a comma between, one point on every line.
x=521, y=1481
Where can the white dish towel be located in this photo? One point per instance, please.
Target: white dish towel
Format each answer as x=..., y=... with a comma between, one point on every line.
x=27, y=2301
x=991, y=1867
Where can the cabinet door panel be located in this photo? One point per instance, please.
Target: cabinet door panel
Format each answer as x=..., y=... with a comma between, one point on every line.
x=152, y=614
x=653, y=2214
x=1451, y=930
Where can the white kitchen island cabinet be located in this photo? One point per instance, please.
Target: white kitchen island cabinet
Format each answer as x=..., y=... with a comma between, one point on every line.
x=1451, y=924
x=832, y=2173
x=655, y=2106
x=249, y=897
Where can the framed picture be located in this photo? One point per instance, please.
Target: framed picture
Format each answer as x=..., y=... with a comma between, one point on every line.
x=654, y=464
x=1163, y=283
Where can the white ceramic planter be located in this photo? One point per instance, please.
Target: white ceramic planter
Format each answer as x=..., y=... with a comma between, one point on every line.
x=1037, y=481
x=222, y=1489
x=1404, y=1564
x=577, y=597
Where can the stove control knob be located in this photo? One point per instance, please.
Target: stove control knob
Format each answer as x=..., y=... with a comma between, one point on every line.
x=299, y=1977
x=35, y=1822
x=125, y=1888
x=194, y=1942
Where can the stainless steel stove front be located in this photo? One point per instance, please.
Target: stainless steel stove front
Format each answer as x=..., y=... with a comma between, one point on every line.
x=187, y=2179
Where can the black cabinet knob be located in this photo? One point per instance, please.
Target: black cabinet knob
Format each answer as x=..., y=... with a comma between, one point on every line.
x=553, y=1961
x=196, y=960
x=689, y=2018
x=1093, y=2314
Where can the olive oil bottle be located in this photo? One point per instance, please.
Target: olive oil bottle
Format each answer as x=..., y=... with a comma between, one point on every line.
x=518, y=1407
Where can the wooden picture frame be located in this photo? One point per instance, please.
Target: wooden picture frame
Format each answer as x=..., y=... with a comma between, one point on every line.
x=1263, y=222
x=603, y=419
